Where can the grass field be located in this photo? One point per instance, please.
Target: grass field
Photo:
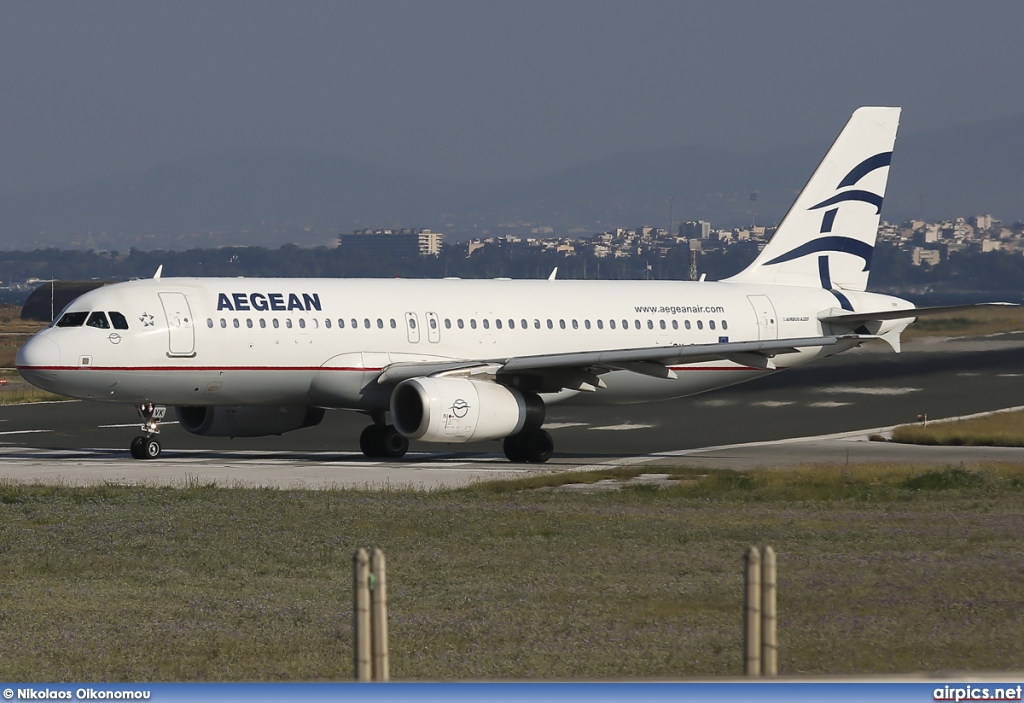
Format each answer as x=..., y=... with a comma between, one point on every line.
x=885, y=569
x=983, y=321
x=1004, y=429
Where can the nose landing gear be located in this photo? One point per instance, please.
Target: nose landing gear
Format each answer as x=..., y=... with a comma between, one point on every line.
x=147, y=446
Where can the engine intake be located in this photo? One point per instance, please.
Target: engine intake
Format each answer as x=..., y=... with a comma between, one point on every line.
x=460, y=410
x=246, y=421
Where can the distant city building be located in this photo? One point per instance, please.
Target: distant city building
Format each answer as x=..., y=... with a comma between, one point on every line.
x=695, y=229
x=403, y=242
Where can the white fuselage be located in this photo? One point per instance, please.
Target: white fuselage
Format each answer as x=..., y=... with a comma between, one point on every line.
x=324, y=342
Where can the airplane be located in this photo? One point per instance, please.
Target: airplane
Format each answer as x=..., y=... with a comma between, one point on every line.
x=454, y=361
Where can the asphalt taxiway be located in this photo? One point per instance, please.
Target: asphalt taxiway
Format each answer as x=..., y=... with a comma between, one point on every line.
x=822, y=413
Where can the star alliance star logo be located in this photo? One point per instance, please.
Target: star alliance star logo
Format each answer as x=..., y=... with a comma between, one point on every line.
x=146, y=319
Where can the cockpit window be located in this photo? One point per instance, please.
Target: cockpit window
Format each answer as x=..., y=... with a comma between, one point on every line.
x=97, y=319
x=72, y=319
x=118, y=320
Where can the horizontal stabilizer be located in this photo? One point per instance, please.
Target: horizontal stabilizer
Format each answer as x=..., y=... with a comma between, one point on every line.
x=854, y=318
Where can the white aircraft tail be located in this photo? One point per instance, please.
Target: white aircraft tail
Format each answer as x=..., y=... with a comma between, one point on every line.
x=828, y=236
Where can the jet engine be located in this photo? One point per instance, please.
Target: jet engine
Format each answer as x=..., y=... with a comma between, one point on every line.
x=247, y=421
x=461, y=410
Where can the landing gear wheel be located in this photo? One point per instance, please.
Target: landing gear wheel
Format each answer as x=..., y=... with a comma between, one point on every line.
x=383, y=442
x=136, y=447
x=393, y=444
x=513, y=448
x=534, y=447
x=369, y=442
x=538, y=446
x=151, y=448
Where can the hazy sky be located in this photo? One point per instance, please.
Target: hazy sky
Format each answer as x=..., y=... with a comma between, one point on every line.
x=479, y=90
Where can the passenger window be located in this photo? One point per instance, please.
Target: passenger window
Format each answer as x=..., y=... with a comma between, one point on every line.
x=662, y=323
x=380, y=323
x=700, y=324
x=72, y=319
x=536, y=324
x=433, y=323
x=235, y=322
x=209, y=322
x=675, y=324
x=472, y=323
x=394, y=325
x=459, y=323
x=97, y=320
x=302, y=322
x=711, y=324
x=523, y=324
x=625, y=324
x=497, y=323
x=263, y=324
x=327, y=323
x=550, y=325
x=366, y=322
x=118, y=321
x=600, y=324
x=575, y=325
x=248, y=322
x=341, y=323
x=650, y=324
x=487, y=324
x=586, y=323
x=355, y=323
x=561, y=324
x=687, y=324
x=316, y=323
x=288, y=323
x=223, y=323
x=725, y=325
x=447, y=323
x=412, y=323
x=276, y=323
x=611, y=324
x=637, y=323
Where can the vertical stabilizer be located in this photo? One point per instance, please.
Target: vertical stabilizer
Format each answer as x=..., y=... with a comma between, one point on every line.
x=828, y=236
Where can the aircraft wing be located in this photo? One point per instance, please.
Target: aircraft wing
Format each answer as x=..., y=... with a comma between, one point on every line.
x=650, y=361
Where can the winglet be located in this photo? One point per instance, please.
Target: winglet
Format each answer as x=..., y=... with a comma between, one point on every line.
x=159, y=270
x=554, y=272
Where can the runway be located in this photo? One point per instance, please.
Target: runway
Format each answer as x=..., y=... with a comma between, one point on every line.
x=818, y=414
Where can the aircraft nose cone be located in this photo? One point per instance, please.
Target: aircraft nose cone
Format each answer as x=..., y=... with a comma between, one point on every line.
x=38, y=354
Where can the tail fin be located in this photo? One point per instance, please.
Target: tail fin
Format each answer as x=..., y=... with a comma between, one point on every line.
x=827, y=237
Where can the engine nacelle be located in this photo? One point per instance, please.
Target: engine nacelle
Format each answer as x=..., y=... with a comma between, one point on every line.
x=460, y=410
x=247, y=421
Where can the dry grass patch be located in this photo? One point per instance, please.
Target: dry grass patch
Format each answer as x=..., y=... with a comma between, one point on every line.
x=1005, y=429
x=983, y=321
x=204, y=583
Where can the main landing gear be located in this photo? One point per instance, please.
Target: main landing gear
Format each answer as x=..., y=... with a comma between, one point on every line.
x=533, y=447
x=147, y=446
x=380, y=441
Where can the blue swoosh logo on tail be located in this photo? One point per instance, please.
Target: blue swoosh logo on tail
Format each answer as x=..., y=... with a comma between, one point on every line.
x=844, y=245
x=861, y=195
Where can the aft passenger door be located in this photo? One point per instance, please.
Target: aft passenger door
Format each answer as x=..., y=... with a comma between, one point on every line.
x=181, y=339
x=767, y=325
